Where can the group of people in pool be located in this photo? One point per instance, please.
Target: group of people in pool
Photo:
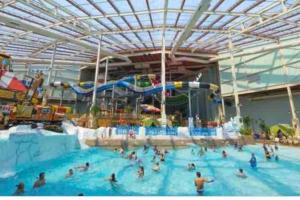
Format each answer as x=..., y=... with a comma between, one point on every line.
x=269, y=151
x=161, y=154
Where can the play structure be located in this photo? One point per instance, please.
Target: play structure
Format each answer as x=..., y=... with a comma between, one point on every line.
x=21, y=100
x=134, y=100
x=140, y=87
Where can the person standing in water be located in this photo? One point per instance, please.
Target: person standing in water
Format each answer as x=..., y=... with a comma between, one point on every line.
x=224, y=154
x=112, y=179
x=20, y=189
x=41, y=180
x=199, y=183
x=253, y=161
x=156, y=167
x=141, y=172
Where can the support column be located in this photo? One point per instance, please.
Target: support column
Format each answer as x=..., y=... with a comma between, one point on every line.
x=223, y=108
x=96, y=73
x=295, y=119
x=190, y=104
x=234, y=84
x=105, y=81
x=51, y=65
x=163, y=83
x=46, y=93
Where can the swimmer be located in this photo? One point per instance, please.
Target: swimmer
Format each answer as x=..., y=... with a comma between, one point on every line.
x=205, y=149
x=241, y=174
x=83, y=168
x=162, y=157
x=141, y=172
x=240, y=148
x=199, y=183
x=265, y=147
x=121, y=151
x=201, y=152
x=115, y=150
x=156, y=167
x=268, y=155
x=272, y=151
x=145, y=148
x=20, y=189
x=224, y=154
x=153, y=158
x=41, y=180
x=112, y=178
x=132, y=156
x=80, y=194
x=276, y=158
x=191, y=166
x=276, y=146
x=235, y=145
x=192, y=152
x=155, y=149
x=252, y=161
x=69, y=174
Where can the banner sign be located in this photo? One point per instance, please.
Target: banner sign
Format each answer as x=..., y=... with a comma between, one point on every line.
x=161, y=131
x=125, y=130
x=203, y=131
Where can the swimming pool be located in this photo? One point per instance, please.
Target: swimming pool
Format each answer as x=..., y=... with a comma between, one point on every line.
x=271, y=177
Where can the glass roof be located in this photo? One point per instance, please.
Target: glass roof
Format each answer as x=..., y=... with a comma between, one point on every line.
x=129, y=26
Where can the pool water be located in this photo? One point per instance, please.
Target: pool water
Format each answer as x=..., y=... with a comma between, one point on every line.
x=270, y=178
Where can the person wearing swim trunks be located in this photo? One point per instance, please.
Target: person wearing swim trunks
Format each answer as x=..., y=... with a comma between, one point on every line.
x=199, y=183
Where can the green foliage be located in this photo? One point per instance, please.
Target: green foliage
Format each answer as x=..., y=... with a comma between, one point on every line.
x=128, y=109
x=246, y=128
x=264, y=128
x=95, y=110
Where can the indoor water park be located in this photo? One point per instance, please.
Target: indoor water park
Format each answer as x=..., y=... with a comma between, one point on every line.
x=149, y=98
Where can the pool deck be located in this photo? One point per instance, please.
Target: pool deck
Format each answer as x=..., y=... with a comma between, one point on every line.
x=171, y=142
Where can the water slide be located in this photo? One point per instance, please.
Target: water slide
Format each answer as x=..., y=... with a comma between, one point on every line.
x=86, y=89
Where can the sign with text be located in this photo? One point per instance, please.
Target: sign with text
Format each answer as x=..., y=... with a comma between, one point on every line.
x=160, y=131
x=203, y=131
x=125, y=130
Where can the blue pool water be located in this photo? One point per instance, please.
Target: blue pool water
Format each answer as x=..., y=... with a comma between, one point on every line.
x=271, y=177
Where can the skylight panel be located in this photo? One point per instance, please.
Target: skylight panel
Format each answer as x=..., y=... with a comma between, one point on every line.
x=175, y=4
x=132, y=21
x=139, y=5
x=122, y=5
x=154, y=4
x=192, y=4
x=226, y=5
x=145, y=19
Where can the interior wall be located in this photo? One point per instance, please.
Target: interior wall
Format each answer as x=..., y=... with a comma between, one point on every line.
x=261, y=71
x=272, y=110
